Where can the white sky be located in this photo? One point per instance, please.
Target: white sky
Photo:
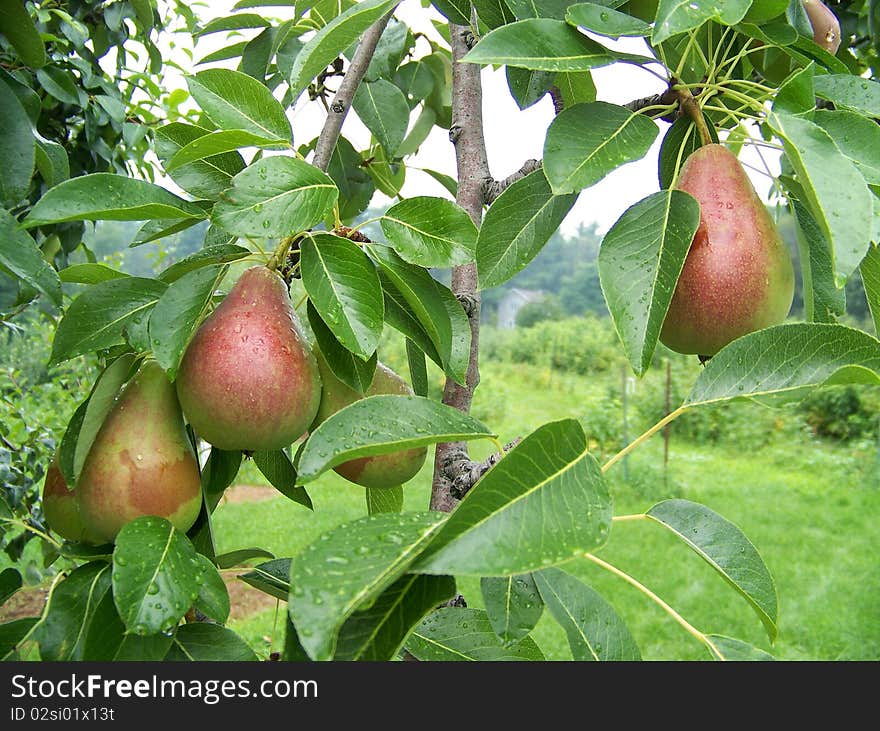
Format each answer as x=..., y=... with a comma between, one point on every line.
x=512, y=135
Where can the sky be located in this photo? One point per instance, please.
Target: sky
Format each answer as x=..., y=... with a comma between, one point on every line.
x=512, y=135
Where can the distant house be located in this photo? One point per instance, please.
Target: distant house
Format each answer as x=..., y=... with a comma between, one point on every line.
x=513, y=301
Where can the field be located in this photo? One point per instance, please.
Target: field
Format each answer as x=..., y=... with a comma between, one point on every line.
x=808, y=506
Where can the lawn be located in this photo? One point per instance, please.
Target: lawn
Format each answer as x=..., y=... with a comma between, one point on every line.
x=809, y=507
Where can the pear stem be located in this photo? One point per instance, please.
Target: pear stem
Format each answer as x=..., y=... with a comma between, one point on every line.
x=691, y=107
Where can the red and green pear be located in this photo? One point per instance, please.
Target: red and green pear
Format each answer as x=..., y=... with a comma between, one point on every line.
x=61, y=508
x=738, y=276
x=383, y=470
x=826, y=26
x=248, y=379
x=141, y=462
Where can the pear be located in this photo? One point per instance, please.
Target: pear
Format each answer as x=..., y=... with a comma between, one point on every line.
x=61, y=508
x=248, y=379
x=141, y=462
x=383, y=470
x=738, y=276
x=826, y=26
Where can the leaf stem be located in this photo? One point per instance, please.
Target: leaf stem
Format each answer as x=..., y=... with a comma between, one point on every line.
x=644, y=437
x=691, y=107
x=687, y=626
x=623, y=518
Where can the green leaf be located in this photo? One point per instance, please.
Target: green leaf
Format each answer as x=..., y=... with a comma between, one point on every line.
x=513, y=605
x=218, y=473
x=728, y=648
x=787, y=361
x=59, y=83
x=204, y=642
x=384, y=110
x=343, y=286
x=853, y=92
x=89, y=273
x=326, y=45
x=236, y=21
x=388, y=175
x=419, y=132
x=545, y=503
x=457, y=356
x=377, y=633
x=179, y=312
x=517, y=226
x=67, y=448
x=384, y=500
x=540, y=44
x=418, y=370
x=594, y=629
x=216, y=143
x=576, y=87
x=493, y=13
x=457, y=634
x=382, y=424
x=727, y=550
x=677, y=16
x=640, y=260
x=528, y=87
x=157, y=230
x=870, y=271
x=279, y=470
x=18, y=27
x=213, y=599
x=70, y=608
x=605, y=21
x=13, y=633
x=416, y=80
x=10, y=582
x=206, y=178
x=420, y=293
x=96, y=319
x=108, y=197
x=271, y=577
x=353, y=371
x=586, y=142
x=348, y=568
x=523, y=9
x=430, y=232
x=101, y=400
x=237, y=558
x=823, y=301
x=276, y=196
x=235, y=101
x=356, y=187
x=51, y=160
x=857, y=137
x=455, y=11
x=841, y=203
x=396, y=40
x=106, y=638
x=21, y=256
x=797, y=95
x=16, y=146
x=401, y=317
x=447, y=181
x=207, y=257
x=156, y=575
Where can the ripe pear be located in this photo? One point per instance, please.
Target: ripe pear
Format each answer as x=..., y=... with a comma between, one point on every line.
x=738, y=275
x=141, y=462
x=248, y=379
x=61, y=508
x=826, y=26
x=383, y=470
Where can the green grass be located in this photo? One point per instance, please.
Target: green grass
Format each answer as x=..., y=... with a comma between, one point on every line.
x=809, y=507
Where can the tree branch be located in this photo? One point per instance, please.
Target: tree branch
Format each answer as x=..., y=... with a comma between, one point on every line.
x=342, y=100
x=493, y=188
x=473, y=170
x=463, y=473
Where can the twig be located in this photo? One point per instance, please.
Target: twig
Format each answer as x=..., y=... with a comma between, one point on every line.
x=342, y=100
x=464, y=473
x=493, y=188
